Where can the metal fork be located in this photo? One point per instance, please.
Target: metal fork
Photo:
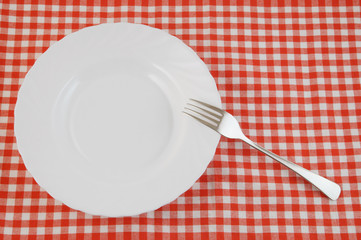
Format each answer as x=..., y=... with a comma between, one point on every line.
x=226, y=125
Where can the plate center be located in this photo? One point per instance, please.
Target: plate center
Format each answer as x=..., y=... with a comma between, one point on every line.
x=119, y=119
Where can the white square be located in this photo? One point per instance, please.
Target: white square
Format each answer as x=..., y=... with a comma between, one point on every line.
x=260, y=9
x=103, y=228
x=56, y=230
x=82, y=8
x=329, y=20
x=344, y=32
x=25, y=216
x=301, y=9
x=41, y=7
x=55, y=8
x=289, y=44
x=263, y=68
x=320, y=229
x=73, y=215
x=119, y=228
x=27, y=7
x=57, y=215
x=219, y=19
x=275, y=32
x=303, y=44
x=235, y=55
x=40, y=31
x=317, y=44
x=347, y=68
x=166, y=228
x=8, y=230
x=257, y=214
x=351, y=229
x=261, y=32
x=246, y=20
x=247, y=32
x=26, y=201
x=11, y=31
x=9, y=216
x=341, y=9
x=289, y=229
x=24, y=231
x=10, y=202
x=41, y=216
x=255, y=172
x=12, y=173
x=12, y=6
x=277, y=69
x=12, y=19
x=288, y=9
x=316, y=32
x=343, y=20
x=23, y=55
x=302, y=21
x=43, y=201
x=330, y=32
x=68, y=8
x=274, y=21
x=28, y=187
x=192, y=31
x=258, y=229
x=11, y=187
x=331, y=44
x=135, y=228
x=166, y=8
x=68, y=20
x=196, y=228
x=233, y=20
x=181, y=229
x=87, y=229
x=11, y=44
x=54, y=31
x=276, y=44
x=72, y=229
x=261, y=21
x=26, y=31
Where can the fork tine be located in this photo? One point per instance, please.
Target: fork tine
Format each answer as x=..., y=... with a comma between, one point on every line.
x=215, y=121
x=209, y=112
x=220, y=111
x=202, y=121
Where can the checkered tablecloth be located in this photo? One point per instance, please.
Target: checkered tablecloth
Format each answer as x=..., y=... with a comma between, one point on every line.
x=289, y=72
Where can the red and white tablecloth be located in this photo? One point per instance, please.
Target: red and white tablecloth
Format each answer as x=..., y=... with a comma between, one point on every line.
x=290, y=72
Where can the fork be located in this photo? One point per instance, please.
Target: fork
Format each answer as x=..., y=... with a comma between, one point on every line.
x=227, y=125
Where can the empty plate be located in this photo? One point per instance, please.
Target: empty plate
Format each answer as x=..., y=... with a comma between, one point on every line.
x=99, y=120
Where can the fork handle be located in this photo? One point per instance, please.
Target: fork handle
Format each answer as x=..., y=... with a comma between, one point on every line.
x=329, y=188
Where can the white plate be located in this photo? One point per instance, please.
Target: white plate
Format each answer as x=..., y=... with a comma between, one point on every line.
x=99, y=120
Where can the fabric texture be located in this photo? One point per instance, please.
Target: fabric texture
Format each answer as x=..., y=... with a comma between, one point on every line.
x=288, y=71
